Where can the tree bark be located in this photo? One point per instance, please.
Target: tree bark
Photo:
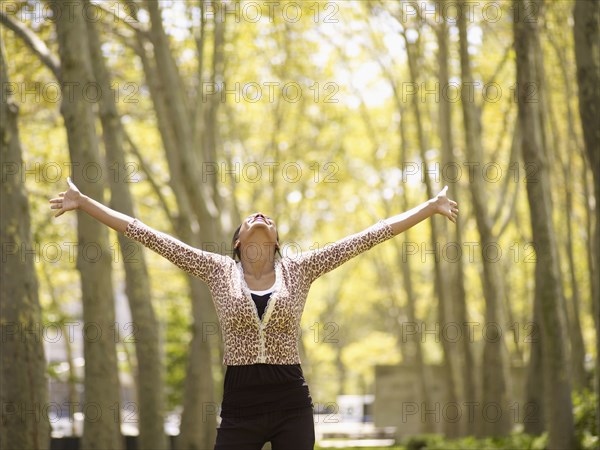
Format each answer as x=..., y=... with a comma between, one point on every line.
x=454, y=269
x=413, y=353
x=573, y=144
x=23, y=386
x=102, y=402
x=450, y=428
x=534, y=420
x=557, y=383
x=411, y=298
x=197, y=211
x=551, y=141
x=149, y=373
x=494, y=388
x=587, y=54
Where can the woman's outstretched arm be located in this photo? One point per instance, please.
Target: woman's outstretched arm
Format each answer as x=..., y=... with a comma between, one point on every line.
x=440, y=204
x=72, y=199
x=205, y=265
x=317, y=262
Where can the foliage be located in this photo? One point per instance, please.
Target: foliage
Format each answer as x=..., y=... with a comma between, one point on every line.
x=514, y=441
x=176, y=337
x=585, y=406
x=395, y=447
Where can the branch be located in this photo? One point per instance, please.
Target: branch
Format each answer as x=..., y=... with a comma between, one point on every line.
x=512, y=159
x=128, y=40
x=130, y=20
x=511, y=211
x=38, y=46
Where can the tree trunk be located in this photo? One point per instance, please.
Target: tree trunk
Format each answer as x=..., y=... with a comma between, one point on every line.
x=454, y=270
x=494, y=388
x=102, y=402
x=557, y=383
x=407, y=281
x=573, y=309
x=179, y=119
x=413, y=354
x=450, y=428
x=149, y=373
x=208, y=146
x=576, y=348
x=199, y=417
x=573, y=145
x=23, y=388
x=197, y=211
x=587, y=53
x=534, y=408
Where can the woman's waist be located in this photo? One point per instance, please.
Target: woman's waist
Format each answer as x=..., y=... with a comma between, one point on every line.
x=265, y=391
x=272, y=377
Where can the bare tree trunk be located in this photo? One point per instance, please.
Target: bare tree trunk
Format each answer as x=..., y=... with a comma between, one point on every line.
x=534, y=418
x=197, y=211
x=411, y=300
x=179, y=119
x=208, y=145
x=587, y=53
x=576, y=348
x=575, y=332
x=454, y=270
x=198, y=421
x=450, y=428
x=413, y=354
x=572, y=142
x=23, y=388
x=149, y=373
x=102, y=400
x=495, y=364
x=329, y=316
x=548, y=288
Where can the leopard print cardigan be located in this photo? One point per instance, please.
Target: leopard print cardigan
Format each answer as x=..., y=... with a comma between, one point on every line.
x=247, y=338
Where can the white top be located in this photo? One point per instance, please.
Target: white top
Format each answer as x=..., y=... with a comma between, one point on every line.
x=265, y=292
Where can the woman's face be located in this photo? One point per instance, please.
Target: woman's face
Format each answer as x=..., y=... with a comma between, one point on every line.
x=257, y=226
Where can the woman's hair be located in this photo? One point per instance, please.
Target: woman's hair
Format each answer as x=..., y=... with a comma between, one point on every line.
x=236, y=250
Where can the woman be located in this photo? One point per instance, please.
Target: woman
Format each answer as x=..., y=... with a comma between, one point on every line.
x=259, y=302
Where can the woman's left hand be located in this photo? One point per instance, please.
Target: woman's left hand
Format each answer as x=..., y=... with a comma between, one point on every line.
x=444, y=206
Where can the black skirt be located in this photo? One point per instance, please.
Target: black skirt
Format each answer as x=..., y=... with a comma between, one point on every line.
x=263, y=388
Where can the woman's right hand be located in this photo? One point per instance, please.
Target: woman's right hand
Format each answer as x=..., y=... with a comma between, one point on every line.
x=68, y=200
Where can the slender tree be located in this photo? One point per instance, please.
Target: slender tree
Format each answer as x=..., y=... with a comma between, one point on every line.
x=572, y=143
x=495, y=377
x=102, y=400
x=23, y=385
x=149, y=376
x=548, y=290
x=587, y=55
x=198, y=211
x=440, y=277
x=535, y=422
x=454, y=270
x=411, y=348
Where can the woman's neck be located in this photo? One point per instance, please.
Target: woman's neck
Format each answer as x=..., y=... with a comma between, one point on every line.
x=258, y=259
x=258, y=269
